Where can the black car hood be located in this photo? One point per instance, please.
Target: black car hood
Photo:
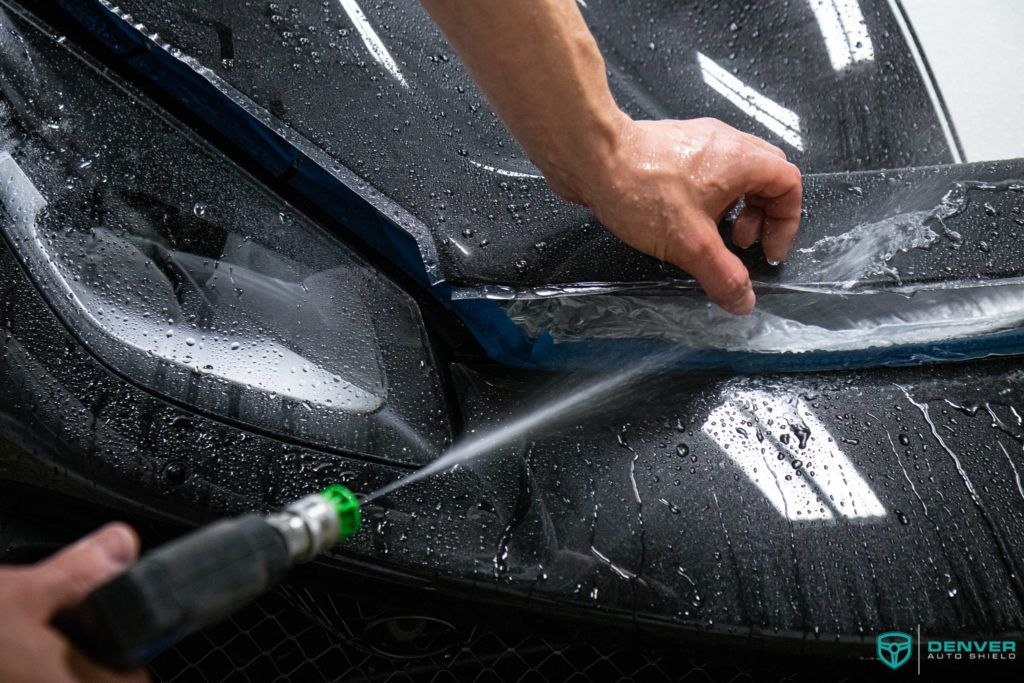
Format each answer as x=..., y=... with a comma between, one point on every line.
x=399, y=146
x=385, y=103
x=658, y=514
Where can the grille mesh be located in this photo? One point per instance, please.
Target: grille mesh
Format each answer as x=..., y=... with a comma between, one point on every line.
x=297, y=635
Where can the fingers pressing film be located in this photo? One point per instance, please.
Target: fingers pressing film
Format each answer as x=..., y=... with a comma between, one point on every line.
x=722, y=275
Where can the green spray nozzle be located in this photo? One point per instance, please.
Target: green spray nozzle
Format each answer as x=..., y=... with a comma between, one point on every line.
x=346, y=505
x=126, y=621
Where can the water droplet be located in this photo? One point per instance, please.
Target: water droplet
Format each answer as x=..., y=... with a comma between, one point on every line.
x=176, y=473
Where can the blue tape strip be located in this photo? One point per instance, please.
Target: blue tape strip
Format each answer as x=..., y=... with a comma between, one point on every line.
x=605, y=353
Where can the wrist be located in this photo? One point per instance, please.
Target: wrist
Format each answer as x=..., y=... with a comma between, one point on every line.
x=584, y=159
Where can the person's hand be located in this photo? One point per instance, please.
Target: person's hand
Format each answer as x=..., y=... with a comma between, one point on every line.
x=31, y=649
x=663, y=186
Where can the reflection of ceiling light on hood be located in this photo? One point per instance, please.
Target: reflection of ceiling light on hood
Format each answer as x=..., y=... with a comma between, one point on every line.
x=772, y=115
x=786, y=451
x=373, y=43
x=845, y=33
x=505, y=172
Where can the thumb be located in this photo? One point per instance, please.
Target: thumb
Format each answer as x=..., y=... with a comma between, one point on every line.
x=722, y=275
x=69, y=576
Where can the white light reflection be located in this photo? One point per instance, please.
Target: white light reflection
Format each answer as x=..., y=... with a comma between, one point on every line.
x=506, y=173
x=786, y=451
x=772, y=115
x=845, y=33
x=373, y=42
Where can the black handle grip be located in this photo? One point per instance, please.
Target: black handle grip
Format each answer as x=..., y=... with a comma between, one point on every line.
x=176, y=589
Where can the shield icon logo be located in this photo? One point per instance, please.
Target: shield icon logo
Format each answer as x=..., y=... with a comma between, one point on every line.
x=894, y=648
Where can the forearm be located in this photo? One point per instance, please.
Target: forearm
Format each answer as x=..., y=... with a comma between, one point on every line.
x=542, y=72
x=661, y=186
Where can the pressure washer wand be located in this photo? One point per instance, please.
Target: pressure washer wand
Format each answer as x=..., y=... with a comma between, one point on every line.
x=203, y=577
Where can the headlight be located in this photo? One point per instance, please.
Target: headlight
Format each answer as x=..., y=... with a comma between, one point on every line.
x=178, y=272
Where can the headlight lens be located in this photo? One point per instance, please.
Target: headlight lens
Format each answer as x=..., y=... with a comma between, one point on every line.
x=180, y=273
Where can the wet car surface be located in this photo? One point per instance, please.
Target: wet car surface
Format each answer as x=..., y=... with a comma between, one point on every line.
x=895, y=220
x=802, y=512
x=381, y=93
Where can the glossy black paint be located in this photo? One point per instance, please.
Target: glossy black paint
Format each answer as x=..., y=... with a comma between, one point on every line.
x=530, y=528
x=412, y=128
x=871, y=116
x=307, y=630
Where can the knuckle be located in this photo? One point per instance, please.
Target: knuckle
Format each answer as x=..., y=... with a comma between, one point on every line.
x=755, y=142
x=736, y=150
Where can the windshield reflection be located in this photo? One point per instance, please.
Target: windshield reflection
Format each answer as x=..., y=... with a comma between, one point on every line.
x=378, y=50
x=772, y=115
x=845, y=33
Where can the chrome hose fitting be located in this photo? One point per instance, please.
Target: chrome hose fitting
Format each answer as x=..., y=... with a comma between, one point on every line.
x=309, y=526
